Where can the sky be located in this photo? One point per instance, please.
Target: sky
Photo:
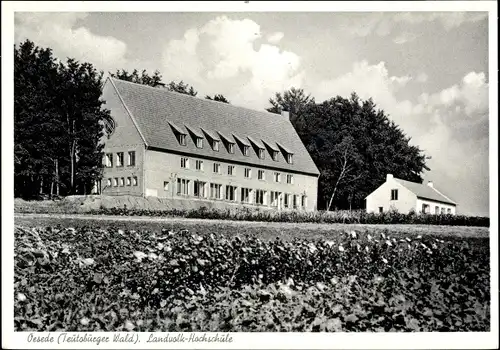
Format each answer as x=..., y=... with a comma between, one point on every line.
x=427, y=70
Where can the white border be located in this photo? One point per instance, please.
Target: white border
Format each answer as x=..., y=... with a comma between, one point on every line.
x=255, y=340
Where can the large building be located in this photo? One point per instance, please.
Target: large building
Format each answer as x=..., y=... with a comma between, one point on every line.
x=172, y=145
x=405, y=196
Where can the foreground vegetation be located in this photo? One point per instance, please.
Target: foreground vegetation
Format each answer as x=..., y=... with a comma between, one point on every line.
x=96, y=279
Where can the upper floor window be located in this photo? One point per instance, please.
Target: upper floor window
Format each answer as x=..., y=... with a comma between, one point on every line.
x=230, y=147
x=217, y=168
x=248, y=172
x=277, y=177
x=246, y=150
x=230, y=169
x=119, y=159
x=289, y=158
x=184, y=163
x=199, y=142
x=289, y=179
x=109, y=160
x=215, y=145
x=199, y=165
x=260, y=175
x=394, y=195
x=261, y=153
x=182, y=139
x=274, y=155
x=131, y=158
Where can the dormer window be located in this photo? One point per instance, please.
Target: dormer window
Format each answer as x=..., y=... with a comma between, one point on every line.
x=289, y=158
x=274, y=155
x=246, y=150
x=182, y=139
x=230, y=147
x=261, y=153
x=215, y=145
x=199, y=142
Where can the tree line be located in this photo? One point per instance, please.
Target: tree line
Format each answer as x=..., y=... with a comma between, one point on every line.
x=59, y=122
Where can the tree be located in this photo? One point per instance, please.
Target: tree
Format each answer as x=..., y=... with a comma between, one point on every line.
x=354, y=146
x=182, y=88
x=218, y=97
x=144, y=78
x=295, y=101
x=58, y=123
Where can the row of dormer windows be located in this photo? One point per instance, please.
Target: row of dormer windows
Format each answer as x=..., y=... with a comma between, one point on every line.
x=245, y=149
x=247, y=172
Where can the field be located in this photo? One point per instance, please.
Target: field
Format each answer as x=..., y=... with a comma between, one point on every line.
x=115, y=274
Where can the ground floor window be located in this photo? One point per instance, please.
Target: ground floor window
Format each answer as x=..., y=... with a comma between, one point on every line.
x=449, y=211
x=182, y=187
x=245, y=195
x=216, y=191
x=380, y=209
x=295, y=201
x=286, y=200
x=199, y=189
x=274, y=198
x=425, y=208
x=230, y=193
x=260, y=197
x=134, y=181
x=436, y=210
x=303, y=201
x=129, y=181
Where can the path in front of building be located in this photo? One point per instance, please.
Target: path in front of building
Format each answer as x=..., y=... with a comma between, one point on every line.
x=262, y=229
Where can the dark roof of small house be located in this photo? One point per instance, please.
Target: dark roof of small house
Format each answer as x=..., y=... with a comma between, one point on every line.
x=153, y=109
x=425, y=192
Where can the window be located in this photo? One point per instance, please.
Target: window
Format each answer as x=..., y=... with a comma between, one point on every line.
x=119, y=159
x=199, y=142
x=289, y=179
x=230, y=148
x=217, y=168
x=303, y=201
x=182, y=187
x=289, y=158
x=185, y=163
x=109, y=183
x=129, y=181
x=230, y=193
x=215, y=145
x=286, y=200
x=295, y=201
x=274, y=155
x=115, y=182
x=199, y=165
x=109, y=160
x=274, y=198
x=277, y=177
x=248, y=172
x=165, y=185
x=436, y=210
x=246, y=150
x=260, y=196
x=215, y=191
x=131, y=158
x=261, y=153
x=449, y=211
x=199, y=189
x=230, y=169
x=260, y=174
x=122, y=181
x=380, y=209
x=245, y=195
x=442, y=211
x=394, y=195
x=425, y=208
x=134, y=181
x=182, y=139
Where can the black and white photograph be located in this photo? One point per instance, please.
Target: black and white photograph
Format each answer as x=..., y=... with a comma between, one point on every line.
x=249, y=175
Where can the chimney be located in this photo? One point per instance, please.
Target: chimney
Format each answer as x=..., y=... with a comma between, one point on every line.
x=430, y=184
x=389, y=177
x=285, y=114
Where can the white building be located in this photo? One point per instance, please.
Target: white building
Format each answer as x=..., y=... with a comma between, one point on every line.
x=405, y=196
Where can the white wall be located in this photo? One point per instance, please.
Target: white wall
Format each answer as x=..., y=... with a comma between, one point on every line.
x=433, y=205
x=381, y=197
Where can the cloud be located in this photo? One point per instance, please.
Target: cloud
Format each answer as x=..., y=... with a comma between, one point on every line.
x=57, y=31
x=422, y=77
x=384, y=24
x=225, y=50
x=450, y=125
x=276, y=37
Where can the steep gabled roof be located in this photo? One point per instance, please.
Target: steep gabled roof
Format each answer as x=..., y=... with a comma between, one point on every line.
x=425, y=192
x=154, y=110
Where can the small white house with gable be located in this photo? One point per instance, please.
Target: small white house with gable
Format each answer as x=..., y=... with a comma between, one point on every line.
x=405, y=196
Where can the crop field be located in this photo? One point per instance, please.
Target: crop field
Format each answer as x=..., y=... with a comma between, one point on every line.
x=97, y=275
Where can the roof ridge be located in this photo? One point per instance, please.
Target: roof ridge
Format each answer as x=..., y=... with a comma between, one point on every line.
x=200, y=99
x=442, y=194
